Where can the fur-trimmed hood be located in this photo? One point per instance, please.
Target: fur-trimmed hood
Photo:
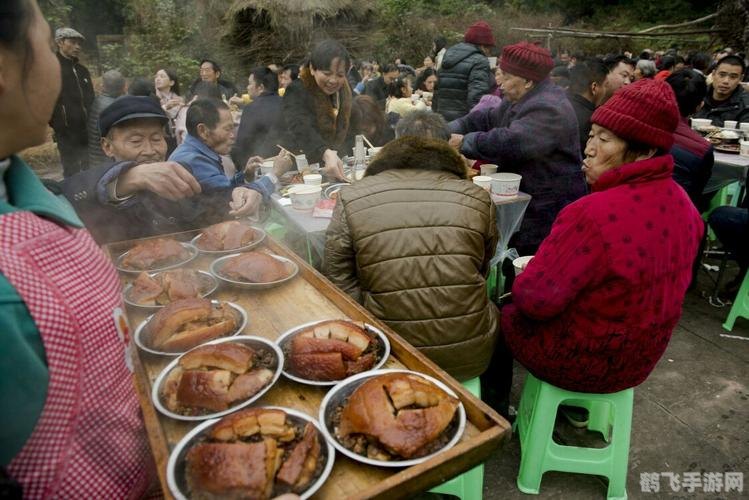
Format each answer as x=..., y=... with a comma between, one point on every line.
x=411, y=152
x=332, y=127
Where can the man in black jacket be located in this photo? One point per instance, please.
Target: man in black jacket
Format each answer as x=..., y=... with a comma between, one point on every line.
x=726, y=99
x=586, y=93
x=465, y=75
x=377, y=88
x=260, y=126
x=71, y=111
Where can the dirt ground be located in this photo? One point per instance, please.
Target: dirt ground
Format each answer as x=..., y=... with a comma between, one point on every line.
x=44, y=159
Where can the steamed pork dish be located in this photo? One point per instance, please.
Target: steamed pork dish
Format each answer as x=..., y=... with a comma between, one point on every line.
x=212, y=378
x=331, y=350
x=167, y=287
x=186, y=323
x=396, y=416
x=255, y=454
x=153, y=254
x=226, y=236
x=254, y=267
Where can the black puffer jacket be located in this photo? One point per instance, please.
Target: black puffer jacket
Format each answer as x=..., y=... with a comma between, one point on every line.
x=464, y=77
x=734, y=108
x=71, y=111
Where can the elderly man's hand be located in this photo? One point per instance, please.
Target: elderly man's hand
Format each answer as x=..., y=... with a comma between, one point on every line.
x=456, y=140
x=244, y=201
x=253, y=163
x=166, y=179
x=282, y=163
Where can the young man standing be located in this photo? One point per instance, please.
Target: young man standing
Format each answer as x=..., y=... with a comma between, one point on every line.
x=726, y=99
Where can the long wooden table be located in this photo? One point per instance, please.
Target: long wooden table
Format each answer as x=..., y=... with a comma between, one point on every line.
x=310, y=297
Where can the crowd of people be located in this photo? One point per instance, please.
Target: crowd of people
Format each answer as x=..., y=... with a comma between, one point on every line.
x=603, y=145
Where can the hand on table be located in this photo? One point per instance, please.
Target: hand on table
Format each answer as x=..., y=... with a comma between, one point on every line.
x=166, y=179
x=244, y=201
x=333, y=166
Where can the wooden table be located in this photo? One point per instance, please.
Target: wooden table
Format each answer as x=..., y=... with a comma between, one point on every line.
x=311, y=297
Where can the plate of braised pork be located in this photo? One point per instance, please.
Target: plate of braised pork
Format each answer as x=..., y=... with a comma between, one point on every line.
x=154, y=255
x=217, y=378
x=228, y=237
x=257, y=453
x=326, y=352
x=254, y=270
x=187, y=323
x=392, y=418
x=155, y=290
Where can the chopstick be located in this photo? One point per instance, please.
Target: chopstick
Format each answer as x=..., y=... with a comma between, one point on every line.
x=284, y=149
x=367, y=141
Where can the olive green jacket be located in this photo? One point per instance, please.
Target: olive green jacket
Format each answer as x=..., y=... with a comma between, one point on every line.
x=413, y=247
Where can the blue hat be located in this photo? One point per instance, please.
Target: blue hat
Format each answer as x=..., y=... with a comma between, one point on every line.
x=129, y=107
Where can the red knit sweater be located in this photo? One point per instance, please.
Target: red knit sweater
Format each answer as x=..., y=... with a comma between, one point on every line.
x=594, y=310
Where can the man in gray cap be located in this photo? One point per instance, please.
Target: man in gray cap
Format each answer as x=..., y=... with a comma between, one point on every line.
x=72, y=108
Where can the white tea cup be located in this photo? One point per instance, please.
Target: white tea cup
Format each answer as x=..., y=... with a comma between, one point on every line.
x=312, y=179
x=483, y=181
x=489, y=169
x=729, y=124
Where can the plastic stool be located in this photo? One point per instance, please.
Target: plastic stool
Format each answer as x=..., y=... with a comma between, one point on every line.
x=727, y=195
x=740, y=307
x=470, y=484
x=609, y=414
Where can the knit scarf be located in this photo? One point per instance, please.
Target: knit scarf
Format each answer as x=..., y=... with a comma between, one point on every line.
x=332, y=126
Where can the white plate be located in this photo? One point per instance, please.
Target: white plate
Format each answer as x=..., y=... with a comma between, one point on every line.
x=333, y=188
x=138, y=331
x=340, y=392
x=252, y=342
x=193, y=252
x=210, y=279
x=175, y=467
x=289, y=334
x=216, y=268
x=247, y=247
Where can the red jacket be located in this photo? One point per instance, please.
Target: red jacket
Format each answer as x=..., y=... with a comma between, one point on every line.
x=594, y=310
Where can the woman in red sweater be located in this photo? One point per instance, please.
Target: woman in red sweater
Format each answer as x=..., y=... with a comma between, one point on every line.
x=594, y=310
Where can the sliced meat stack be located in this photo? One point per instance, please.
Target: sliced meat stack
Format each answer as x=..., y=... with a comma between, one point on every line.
x=254, y=267
x=155, y=253
x=186, y=323
x=228, y=235
x=331, y=350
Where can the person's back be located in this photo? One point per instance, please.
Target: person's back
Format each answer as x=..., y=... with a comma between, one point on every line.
x=693, y=155
x=464, y=76
x=423, y=237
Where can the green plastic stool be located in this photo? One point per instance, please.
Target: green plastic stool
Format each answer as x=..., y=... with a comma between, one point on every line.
x=727, y=195
x=740, y=307
x=609, y=414
x=470, y=484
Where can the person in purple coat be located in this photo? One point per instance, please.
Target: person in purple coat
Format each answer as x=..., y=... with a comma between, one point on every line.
x=533, y=133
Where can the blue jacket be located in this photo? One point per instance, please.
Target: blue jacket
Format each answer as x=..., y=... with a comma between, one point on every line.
x=205, y=165
x=536, y=137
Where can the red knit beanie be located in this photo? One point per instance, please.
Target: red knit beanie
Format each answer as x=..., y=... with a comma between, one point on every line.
x=644, y=111
x=526, y=60
x=479, y=33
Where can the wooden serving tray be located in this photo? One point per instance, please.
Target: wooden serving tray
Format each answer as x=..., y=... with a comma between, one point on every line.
x=311, y=297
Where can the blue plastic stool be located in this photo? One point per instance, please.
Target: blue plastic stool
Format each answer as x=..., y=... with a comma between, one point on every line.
x=609, y=414
x=470, y=484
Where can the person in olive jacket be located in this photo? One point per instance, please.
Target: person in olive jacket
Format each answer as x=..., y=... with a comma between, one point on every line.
x=412, y=243
x=69, y=119
x=465, y=75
